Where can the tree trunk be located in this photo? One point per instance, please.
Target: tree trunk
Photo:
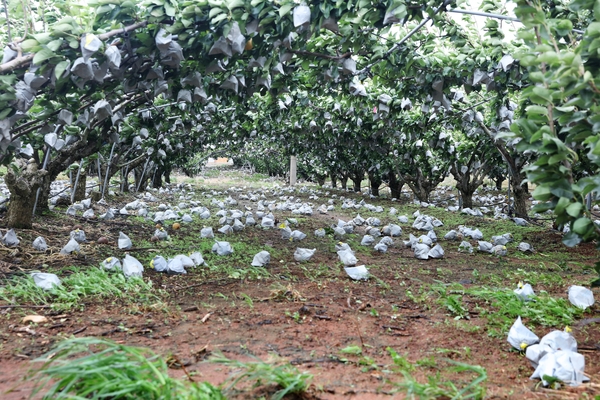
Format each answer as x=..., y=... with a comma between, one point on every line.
x=157, y=178
x=320, y=179
x=344, y=181
x=23, y=186
x=499, y=183
x=333, y=179
x=375, y=181
x=356, y=182
x=520, y=194
x=395, y=185
x=80, y=188
x=467, y=199
x=167, y=175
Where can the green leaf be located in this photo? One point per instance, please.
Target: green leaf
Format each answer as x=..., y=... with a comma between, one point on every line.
x=574, y=209
x=356, y=350
x=235, y=4
x=214, y=12
x=571, y=239
x=29, y=44
x=582, y=225
x=536, y=110
x=60, y=69
x=55, y=44
x=285, y=9
x=169, y=10
x=42, y=55
x=218, y=19
x=4, y=113
x=561, y=205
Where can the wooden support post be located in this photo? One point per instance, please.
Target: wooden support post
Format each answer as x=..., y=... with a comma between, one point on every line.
x=292, y=170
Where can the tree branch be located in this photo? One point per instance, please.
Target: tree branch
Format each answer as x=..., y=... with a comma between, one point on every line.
x=320, y=55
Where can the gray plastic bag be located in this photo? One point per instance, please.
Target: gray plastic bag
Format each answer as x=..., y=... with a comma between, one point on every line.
x=499, y=250
x=338, y=233
x=111, y=263
x=71, y=247
x=159, y=264
x=78, y=235
x=465, y=247
x=320, y=233
x=132, y=267
x=261, y=259
x=267, y=223
x=520, y=337
x=436, y=252
x=524, y=291
x=525, y=247
x=225, y=229
x=222, y=248
x=124, y=241
x=565, y=365
x=286, y=233
x=161, y=234
x=197, y=258
x=303, y=254
x=175, y=266
x=44, y=280
x=237, y=225
x=581, y=297
x=367, y=240
x=11, y=239
x=358, y=273
x=381, y=247
x=207, y=232
x=395, y=230
x=485, y=247
x=40, y=244
x=186, y=261
x=451, y=235
x=347, y=257
x=421, y=251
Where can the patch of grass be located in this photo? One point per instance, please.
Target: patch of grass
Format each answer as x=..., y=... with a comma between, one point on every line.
x=90, y=368
x=435, y=388
x=506, y=306
x=285, y=376
x=91, y=282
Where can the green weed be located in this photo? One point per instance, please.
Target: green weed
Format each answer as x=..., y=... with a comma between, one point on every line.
x=91, y=282
x=90, y=368
x=284, y=376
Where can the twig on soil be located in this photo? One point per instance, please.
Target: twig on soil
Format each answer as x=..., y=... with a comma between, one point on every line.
x=79, y=330
x=323, y=317
x=362, y=343
x=139, y=249
x=173, y=360
x=395, y=328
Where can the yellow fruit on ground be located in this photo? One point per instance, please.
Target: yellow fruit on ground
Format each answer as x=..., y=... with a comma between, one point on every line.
x=176, y=226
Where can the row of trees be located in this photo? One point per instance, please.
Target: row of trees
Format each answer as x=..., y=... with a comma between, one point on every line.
x=399, y=90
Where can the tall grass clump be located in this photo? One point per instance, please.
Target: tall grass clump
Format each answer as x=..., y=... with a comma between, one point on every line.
x=90, y=368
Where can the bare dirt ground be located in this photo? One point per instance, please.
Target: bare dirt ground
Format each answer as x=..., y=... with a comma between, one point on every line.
x=303, y=313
